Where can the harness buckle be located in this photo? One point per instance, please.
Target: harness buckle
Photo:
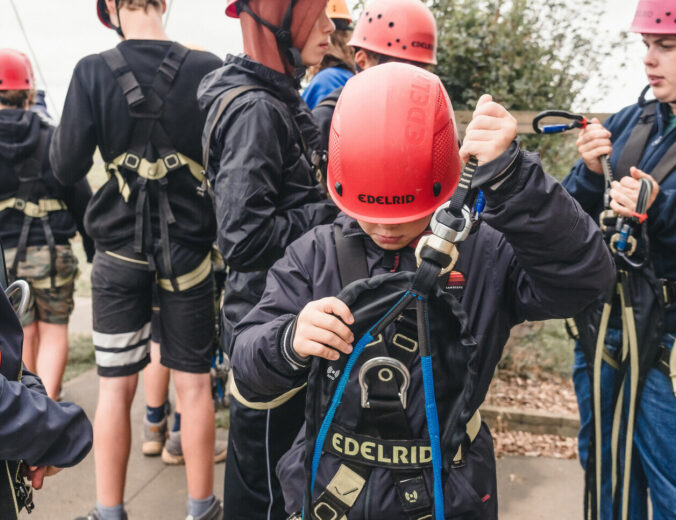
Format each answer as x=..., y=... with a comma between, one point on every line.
x=605, y=218
x=445, y=248
x=131, y=161
x=448, y=233
x=171, y=161
x=20, y=204
x=385, y=375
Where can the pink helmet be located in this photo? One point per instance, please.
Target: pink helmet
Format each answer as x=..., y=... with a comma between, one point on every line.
x=16, y=72
x=655, y=17
x=403, y=29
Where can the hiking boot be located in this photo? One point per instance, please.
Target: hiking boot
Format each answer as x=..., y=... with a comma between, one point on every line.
x=154, y=437
x=94, y=515
x=172, y=454
x=215, y=512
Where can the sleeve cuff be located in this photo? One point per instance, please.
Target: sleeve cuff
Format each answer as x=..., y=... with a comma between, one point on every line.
x=295, y=361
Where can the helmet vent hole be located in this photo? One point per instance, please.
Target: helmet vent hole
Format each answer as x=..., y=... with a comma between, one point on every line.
x=391, y=24
x=659, y=20
x=403, y=47
x=380, y=16
x=339, y=189
x=398, y=40
x=370, y=20
x=668, y=13
x=389, y=44
x=436, y=189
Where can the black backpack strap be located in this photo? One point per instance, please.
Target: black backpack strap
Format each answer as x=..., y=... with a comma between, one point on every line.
x=666, y=165
x=351, y=256
x=223, y=105
x=125, y=78
x=638, y=139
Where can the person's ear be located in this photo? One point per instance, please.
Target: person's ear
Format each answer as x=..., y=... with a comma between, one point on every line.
x=361, y=58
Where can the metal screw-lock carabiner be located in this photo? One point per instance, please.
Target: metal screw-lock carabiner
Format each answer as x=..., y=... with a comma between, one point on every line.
x=386, y=362
x=579, y=121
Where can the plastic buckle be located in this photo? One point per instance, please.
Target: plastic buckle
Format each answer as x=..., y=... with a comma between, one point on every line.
x=171, y=161
x=131, y=161
x=607, y=214
x=20, y=204
x=442, y=246
x=385, y=375
x=449, y=234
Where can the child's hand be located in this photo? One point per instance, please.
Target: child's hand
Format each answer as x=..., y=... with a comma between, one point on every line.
x=490, y=132
x=319, y=331
x=592, y=143
x=624, y=193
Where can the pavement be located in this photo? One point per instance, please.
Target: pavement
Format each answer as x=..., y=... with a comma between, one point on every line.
x=529, y=488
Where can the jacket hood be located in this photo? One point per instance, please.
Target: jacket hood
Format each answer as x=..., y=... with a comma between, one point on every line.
x=19, y=133
x=241, y=71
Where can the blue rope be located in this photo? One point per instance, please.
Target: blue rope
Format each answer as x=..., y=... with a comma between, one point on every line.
x=433, y=430
x=338, y=394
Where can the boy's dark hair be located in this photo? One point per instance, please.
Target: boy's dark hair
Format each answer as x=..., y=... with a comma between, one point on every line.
x=133, y=5
x=17, y=98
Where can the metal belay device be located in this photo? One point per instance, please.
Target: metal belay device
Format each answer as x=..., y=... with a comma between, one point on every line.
x=637, y=303
x=408, y=330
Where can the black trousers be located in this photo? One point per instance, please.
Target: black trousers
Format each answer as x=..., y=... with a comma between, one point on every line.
x=258, y=439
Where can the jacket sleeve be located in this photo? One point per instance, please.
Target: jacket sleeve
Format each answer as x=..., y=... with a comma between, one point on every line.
x=76, y=198
x=74, y=141
x=662, y=215
x=552, y=255
x=253, y=230
x=263, y=364
x=38, y=430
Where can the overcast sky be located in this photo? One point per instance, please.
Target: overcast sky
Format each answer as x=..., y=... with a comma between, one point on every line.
x=63, y=31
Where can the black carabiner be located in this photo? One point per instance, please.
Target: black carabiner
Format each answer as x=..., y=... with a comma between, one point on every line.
x=579, y=121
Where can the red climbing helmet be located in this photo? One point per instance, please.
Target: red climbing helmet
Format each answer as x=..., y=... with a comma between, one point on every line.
x=655, y=17
x=103, y=15
x=403, y=29
x=393, y=148
x=231, y=9
x=16, y=72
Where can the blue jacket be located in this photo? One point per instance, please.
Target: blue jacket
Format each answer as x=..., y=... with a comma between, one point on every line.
x=587, y=187
x=32, y=426
x=325, y=82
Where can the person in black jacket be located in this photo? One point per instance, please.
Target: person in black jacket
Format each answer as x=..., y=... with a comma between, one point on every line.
x=536, y=255
x=35, y=429
x=151, y=223
x=38, y=217
x=260, y=136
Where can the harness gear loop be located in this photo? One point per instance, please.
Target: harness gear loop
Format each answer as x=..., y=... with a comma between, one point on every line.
x=389, y=362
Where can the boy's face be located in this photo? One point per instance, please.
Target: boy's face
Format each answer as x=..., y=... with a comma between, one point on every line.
x=395, y=236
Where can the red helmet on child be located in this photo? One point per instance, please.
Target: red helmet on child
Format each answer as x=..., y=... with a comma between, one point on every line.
x=403, y=29
x=393, y=148
x=655, y=17
x=16, y=72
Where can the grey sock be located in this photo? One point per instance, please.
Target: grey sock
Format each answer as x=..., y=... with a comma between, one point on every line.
x=111, y=513
x=197, y=508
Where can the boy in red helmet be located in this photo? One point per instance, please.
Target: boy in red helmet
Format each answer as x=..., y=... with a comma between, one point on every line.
x=395, y=160
x=38, y=217
x=152, y=226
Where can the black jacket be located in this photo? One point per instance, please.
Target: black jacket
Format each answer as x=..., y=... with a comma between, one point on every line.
x=265, y=189
x=96, y=115
x=537, y=255
x=32, y=426
x=19, y=137
x=323, y=113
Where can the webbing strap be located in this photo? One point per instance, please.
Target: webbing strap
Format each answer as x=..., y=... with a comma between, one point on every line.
x=131, y=89
x=157, y=169
x=32, y=209
x=351, y=256
x=341, y=493
x=637, y=142
x=188, y=280
x=329, y=103
x=51, y=244
x=3, y=269
x=666, y=363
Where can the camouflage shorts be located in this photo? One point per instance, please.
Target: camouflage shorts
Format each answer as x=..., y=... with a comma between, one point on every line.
x=47, y=304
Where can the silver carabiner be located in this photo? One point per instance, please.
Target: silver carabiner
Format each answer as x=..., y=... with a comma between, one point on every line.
x=385, y=375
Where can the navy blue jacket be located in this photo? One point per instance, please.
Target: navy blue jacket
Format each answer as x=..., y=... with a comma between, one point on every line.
x=34, y=428
x=537, y=255
x=587, y=187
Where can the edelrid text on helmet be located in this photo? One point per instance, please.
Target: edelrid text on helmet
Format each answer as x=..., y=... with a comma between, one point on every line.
x=16, y=72
x=403, y=29
x=655, y=17
x=393, y=148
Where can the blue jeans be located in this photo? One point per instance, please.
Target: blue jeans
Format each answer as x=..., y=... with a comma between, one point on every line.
x=654, y=457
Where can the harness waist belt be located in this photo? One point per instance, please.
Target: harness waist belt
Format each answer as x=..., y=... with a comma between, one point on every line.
x=31, y=209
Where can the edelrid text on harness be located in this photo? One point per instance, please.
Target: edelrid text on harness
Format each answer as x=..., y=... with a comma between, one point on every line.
x=34, y=201
x=150, y=154
x=377, y=377
x=639, y=295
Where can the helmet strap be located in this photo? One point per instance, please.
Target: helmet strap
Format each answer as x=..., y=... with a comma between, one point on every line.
x=118, y=29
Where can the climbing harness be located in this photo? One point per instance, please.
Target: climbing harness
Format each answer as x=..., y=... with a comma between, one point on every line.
x=393, y=342
x=641, y=302
x=33, y=200
x=150, y=154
